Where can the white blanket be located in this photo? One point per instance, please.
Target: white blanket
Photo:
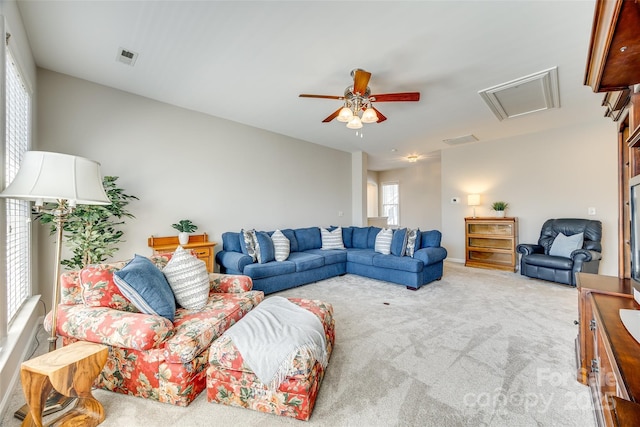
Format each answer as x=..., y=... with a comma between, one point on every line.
x=270, y=335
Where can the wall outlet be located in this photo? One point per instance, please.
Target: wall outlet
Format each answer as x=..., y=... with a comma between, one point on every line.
x=591, y=211
x=340, y=213
x=455, y=200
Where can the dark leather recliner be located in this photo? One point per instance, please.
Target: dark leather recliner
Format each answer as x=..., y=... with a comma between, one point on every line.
x=537, y=263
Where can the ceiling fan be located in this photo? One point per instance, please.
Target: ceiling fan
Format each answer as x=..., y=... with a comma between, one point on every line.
x=358, y=99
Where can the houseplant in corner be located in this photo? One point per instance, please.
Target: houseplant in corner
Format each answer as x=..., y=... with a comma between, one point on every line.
x=92, y=231
x=500, y=208
x=184, y=226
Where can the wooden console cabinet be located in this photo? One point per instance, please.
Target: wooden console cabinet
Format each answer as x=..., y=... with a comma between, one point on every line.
x=199, y=243
x=608, y=357
x=491, y=243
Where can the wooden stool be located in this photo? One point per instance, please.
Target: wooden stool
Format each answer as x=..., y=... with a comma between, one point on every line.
x=71, y=371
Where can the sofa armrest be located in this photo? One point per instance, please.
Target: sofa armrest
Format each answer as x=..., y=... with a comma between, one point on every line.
x=111, y=327
x=430, y=255
x=229, y=283
x=234, y=261
x=528, y=249
x=581, y=256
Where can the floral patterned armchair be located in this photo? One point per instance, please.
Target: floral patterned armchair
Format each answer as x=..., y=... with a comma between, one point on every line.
x=149, y=356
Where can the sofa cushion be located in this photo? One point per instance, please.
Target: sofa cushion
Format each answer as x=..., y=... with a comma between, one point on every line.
x=360, y=237
x=399, y=242
x=99, y=289
x=293, y=241
x=563, y=245
x=332, y=239
x=249, y=243
x=265, y=248
x=413, y=241
x=146, y=287
x=371, y=238
x=331, y=256
x=308, y=238
x=430, y=239
x=383, y=241
x=306, y=261
x=270, y=269
x=361, y=256
x=281, y=245
x=231, y=241
x=347, y=236
x=398, y=263
x=189, y=279
x=553, y=262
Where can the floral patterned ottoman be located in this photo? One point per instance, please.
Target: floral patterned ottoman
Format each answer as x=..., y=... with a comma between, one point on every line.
x=231, y=382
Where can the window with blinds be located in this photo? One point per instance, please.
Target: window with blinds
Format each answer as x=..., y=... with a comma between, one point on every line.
x=391, y=202
x=18, y=215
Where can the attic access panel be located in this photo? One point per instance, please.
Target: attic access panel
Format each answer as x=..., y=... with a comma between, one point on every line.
x=535, y=92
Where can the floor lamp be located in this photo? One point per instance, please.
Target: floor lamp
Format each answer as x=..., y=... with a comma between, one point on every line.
x=65, y=181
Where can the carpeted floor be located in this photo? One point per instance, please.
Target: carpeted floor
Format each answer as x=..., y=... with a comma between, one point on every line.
x=477, y=348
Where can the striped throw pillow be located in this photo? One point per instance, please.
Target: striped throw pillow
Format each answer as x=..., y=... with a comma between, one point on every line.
x=189, y=279
x=383, y=241
x=332, y=239
x=281, y=245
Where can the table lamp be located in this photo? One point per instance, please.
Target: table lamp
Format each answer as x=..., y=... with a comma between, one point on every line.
x=473, y=200
x=65, y=180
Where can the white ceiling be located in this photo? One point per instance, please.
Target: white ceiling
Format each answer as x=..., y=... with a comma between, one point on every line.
x=248, y=61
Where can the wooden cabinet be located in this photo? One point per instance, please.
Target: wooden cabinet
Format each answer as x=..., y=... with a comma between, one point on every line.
x=607, y=355
x=491, y=243
x=199, y=243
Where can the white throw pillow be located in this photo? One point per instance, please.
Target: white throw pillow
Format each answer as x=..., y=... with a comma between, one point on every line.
x=281, y=244
x=563, y=245
x=332, y=239
x=188, y=278
x=383, y=241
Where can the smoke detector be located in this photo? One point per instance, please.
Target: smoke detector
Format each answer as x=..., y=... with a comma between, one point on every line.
x=126, y=56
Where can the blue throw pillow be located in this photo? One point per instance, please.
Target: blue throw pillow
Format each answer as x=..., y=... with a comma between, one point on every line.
x=347, y=236
x=146, y=287
x=399, y=242
x=360, y=236
x=266, y=248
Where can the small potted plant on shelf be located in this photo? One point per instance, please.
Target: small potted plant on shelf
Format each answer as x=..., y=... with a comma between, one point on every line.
x=184, y=226
x=500, y=208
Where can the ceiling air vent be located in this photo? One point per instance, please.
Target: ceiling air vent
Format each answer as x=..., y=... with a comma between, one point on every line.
x=460, y=140
x=126, y=56
x=525, y=95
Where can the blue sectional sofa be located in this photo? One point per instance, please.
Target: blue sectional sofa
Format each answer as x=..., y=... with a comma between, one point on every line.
x=308, y=262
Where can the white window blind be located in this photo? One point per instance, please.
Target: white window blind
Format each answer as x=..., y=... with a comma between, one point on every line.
x=18, y=118
x=391, y=202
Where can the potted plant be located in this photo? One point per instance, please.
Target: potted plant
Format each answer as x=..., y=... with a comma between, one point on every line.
x=184, y=226
x=92, y=231
x=500, y=208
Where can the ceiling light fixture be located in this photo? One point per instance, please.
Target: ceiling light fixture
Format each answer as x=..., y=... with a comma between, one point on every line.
x=412, y=158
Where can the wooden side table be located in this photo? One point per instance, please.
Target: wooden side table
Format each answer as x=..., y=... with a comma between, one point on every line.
x=199, y=243
x=69, y=370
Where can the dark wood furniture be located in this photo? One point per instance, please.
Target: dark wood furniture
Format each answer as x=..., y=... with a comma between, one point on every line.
x=199, y=243
x=491, y=243
x=608, y=356
x=69, y=370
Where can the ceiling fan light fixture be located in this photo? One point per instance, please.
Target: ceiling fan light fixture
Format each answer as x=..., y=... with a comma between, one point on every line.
x=369, y=116
x=345, y=115
x=354, y=123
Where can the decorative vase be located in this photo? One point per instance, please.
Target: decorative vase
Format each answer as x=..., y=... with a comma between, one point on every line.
x=500, y=214
x=183, y=238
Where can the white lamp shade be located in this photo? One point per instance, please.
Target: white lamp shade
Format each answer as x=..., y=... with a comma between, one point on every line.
x=369, y=116
x=354, y=123
x=473, y=200
x=344, y=115
x=50, y=177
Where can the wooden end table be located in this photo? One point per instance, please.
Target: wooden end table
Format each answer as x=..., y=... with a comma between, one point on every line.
x=69, y=370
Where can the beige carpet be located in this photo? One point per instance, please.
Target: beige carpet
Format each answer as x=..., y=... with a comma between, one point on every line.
x=478, y=348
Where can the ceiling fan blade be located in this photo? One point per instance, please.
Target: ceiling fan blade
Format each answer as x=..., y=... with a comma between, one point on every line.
x=393, y=97
x=381, y=117
x=306, y=95
x=361, y=81
x=332, y=116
